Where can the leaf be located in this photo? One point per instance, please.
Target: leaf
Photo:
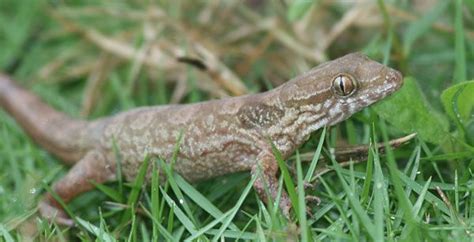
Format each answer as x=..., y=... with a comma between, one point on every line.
x=409, y=111
x=458, y=101
x=298, y=9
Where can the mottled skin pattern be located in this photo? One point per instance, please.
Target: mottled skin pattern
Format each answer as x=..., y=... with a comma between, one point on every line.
x=219, y=137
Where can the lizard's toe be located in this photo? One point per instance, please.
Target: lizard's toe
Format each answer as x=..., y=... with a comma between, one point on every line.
x=312, y=199
x=54, y=214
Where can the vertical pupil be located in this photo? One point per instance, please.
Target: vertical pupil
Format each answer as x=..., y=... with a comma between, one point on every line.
x=341, y=85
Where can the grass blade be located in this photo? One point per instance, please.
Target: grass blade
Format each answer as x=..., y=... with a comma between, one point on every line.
x=161, y=229
x=379, y=194
x=110, y=192
x=235, y=209
x=419, y=202
x=355, y=203
x=200, y=200
x=137, y=187
x=460, y=73
x=98, y=232
x=186, y=221
x=317, y=154
x=305, y=232
x=155, y=198
x=405, y=204
x=290, y=186
x=208, y=226
x=421, y=26
x=6, y=235
x=177, y=191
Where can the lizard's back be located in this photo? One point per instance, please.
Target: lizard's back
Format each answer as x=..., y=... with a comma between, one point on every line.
x=214, y=141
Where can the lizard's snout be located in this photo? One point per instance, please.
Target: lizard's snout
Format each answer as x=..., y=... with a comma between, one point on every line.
x=394, y=78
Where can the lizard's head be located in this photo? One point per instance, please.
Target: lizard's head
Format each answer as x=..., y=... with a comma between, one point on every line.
x=343, y=86
x=358, y=81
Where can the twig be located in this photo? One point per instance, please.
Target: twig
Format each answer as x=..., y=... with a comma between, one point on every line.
x=220, y=73
x=157, y=58
x=272, y=26
x=96, y=79
x=345, y=22
x=453, y=211
x=436, y=25
x=355, y=154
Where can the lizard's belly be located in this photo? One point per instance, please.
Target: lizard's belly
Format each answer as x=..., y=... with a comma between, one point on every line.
x=217, y=163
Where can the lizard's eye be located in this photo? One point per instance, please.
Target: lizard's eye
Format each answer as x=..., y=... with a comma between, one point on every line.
x=344, y=85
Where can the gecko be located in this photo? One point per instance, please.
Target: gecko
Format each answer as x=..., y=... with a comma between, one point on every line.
x=218, y=136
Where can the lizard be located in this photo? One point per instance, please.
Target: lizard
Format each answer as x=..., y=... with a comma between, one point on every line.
x=218, y=136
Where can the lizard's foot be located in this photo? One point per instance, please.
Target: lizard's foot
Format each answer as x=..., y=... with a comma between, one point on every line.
x=285, y=206
x=92, y=167
x=54, y=214
x=307, y=186
x=311, y=199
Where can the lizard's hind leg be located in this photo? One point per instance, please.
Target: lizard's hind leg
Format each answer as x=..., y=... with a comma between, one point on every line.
x=92, y=167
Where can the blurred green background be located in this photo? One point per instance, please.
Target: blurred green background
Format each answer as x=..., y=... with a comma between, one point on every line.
x=92, y=59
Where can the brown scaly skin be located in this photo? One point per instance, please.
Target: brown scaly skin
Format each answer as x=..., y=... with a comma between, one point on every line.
x=219, y=137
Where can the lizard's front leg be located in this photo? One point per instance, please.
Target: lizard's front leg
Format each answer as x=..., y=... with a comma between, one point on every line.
x=267, y=181
x=92, y=167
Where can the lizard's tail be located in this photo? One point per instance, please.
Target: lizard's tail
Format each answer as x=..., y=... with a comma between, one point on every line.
x=56, y=132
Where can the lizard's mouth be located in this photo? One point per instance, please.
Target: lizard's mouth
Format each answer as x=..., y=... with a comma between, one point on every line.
x=392, y=81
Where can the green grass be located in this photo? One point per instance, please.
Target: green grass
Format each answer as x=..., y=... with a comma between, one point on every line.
x=422, y=191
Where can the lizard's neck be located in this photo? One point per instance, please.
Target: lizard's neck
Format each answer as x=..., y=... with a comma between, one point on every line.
x=304, y=113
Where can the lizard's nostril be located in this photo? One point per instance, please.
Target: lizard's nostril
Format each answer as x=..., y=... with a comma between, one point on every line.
x=399, y=76
x=395, y=77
